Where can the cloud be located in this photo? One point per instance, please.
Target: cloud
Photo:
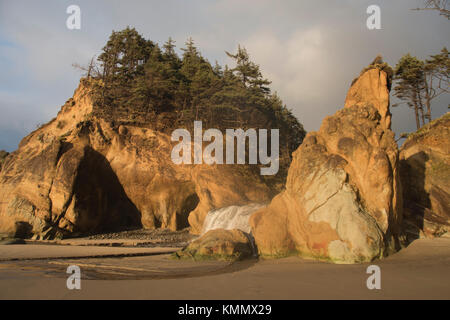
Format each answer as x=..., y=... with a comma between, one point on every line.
x=295, y=65
x=310, y=50
x=298, y=67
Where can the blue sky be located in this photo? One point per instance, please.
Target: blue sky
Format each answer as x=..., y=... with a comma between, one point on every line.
x=311, y=50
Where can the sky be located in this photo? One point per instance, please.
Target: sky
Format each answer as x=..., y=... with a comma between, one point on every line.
x=311, y=50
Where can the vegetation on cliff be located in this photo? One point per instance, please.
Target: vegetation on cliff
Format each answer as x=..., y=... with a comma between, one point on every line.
x=138, y=82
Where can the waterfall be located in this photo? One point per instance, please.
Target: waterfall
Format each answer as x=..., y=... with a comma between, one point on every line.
x=228, y=218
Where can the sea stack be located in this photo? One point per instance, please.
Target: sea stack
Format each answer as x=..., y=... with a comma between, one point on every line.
x=343, y=199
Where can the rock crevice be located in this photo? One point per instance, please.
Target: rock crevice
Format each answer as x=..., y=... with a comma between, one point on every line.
x=342, y=201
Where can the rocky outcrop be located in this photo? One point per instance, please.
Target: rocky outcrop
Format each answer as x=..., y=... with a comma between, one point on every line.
x=425, y=172
x=219, y=244
x=342, y=201
x=373, y=87
x=85, y=173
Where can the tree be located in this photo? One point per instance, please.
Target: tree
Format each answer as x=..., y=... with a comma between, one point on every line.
x=122, y=61
x=410, y=78
x=169, y=48
x=199, y=76
x=419, y=82
x=248, y=71
x=436, y=78
x=191, y=59
x=136, y=80
x=92, y=70
x=437, y=5
x=125, y=53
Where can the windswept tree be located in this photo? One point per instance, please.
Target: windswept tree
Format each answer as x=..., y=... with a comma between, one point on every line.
x=436, y=78
x=419, y=82
x=92, y=70
x=248, y=71
x=409, y=76
x=441, y=6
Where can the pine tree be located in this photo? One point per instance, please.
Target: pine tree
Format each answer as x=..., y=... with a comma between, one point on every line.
x=409, y=75
x=143, y=82
x=248, y=71
x=419, y=82
x=123, y=60
x=436, y=78
x=169, y=48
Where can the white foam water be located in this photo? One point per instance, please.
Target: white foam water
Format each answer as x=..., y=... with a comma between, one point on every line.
x=233, y=217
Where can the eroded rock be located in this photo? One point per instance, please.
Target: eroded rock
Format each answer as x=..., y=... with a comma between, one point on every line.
x=219, y=244
x=342, y=201
x=85, y=173
x=425, y=172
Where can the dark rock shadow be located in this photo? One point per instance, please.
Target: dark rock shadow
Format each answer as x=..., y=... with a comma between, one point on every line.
x=100, y=198
x=189, y=205
x=416, y=200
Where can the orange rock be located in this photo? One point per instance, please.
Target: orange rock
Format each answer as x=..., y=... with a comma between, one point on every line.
x=371, y=87
x=343, y=198
x=425, y=172
x=219, y=244
x=83, y=173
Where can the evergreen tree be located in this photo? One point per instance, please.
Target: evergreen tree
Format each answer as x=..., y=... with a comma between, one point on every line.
x=419, y=82
x=410, y=78
x=248, y=71
x=139, y=81
x=436, y=78
x=169, y=49
x=123, y=60
x=437, y=5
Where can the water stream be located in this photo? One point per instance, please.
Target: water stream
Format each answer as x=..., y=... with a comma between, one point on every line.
x=232, y=217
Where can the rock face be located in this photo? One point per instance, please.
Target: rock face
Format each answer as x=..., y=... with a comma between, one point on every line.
x=425, y=172
x=342, y=201
x=373, y=87
x=219, y=244
x=83, y=173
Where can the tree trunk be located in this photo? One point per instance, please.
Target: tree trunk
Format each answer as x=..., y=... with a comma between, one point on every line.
x=416, y=111
x=428, y=98
x=418, y=108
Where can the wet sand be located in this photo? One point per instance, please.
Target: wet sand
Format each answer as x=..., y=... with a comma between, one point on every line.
x=420, y=271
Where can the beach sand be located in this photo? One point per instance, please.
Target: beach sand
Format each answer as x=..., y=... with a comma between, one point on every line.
x=420, y=271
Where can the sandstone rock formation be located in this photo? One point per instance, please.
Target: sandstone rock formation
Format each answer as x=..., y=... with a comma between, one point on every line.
x=342, y=201
x=425, y=173
x=219, y=244
x=372, y=87
x=83, y=173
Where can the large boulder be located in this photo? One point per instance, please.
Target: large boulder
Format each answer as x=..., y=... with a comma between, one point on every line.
x=219, y=244
x=425, y=173
x=342, y=201
x=84, y=172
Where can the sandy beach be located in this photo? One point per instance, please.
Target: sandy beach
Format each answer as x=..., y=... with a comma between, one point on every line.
x=420, y=271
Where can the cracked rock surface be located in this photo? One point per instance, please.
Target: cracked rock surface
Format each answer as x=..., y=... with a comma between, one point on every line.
x=342, y=201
